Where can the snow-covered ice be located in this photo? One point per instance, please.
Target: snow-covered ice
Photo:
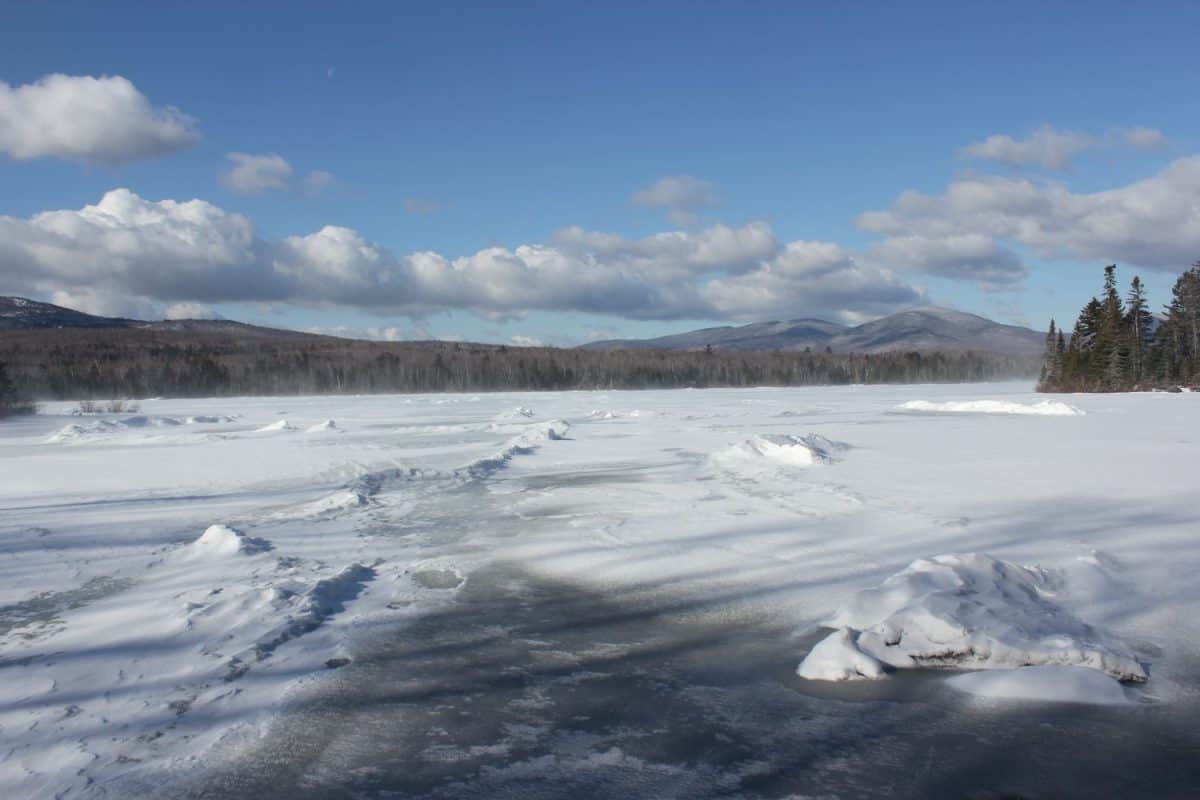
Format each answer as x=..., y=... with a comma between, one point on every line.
x=167, y=590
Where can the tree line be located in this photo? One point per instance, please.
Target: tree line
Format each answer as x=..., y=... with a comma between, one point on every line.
x=1118, y=345
x=101, y=364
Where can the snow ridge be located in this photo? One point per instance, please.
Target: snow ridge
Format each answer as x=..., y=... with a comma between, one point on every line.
x=968, y=611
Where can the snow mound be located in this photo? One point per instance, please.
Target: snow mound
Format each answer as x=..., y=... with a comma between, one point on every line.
x=971, y=611
x=1045, y=684
x=782, y=449
x=327, y=425
x=837, y=658
x=1042, y=408
x=281, y=425
x=520, y=412
x=523, y=444
x=222, y=541
x=342, y=500
x=80, y=431
x=308, y=610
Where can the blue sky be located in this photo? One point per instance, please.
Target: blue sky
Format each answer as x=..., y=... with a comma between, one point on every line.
x=471, y=131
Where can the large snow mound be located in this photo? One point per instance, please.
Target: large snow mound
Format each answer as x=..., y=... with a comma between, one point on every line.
x=970, y=611
x=1042, y=408
x=222, y=541
x=1045, y=684
x=782, y=450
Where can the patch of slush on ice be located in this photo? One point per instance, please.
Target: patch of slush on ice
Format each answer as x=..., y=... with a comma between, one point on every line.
x=782, y=449
x=1042, y=408
x=327, y=425
x=222, y=541
x=209, y=419
x=430, y=577
x=1045, y=684
x=971, y=611
x=281, y=425
x=838, y=658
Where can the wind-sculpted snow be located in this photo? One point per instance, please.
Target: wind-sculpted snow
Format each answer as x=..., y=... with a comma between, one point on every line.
x=222, y=541
x=82, y=431
x=280, y=425
x=1042, y=408
x=322, y=427
x=781, y=450
x=360, y=491
x=78, y=432
x=838, y=658
x=304, y=611
x=969, y=611
x=520, y=445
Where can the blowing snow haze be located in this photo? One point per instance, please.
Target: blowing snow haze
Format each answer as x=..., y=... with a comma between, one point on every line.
x=576, y=400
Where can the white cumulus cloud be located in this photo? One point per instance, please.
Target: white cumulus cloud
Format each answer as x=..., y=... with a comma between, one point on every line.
x=681, y=196
x=1053, y=149
x=195, y=252
x=1153, y=223
x=103, y=120
x=250, y=174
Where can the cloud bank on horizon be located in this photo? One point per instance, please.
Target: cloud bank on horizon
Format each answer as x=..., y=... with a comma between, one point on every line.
x=163, y=256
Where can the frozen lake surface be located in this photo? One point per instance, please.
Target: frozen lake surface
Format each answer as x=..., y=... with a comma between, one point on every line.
x=596, y=594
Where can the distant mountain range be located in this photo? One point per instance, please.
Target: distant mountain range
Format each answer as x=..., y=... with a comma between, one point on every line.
x=924, y=329
x=20, y=314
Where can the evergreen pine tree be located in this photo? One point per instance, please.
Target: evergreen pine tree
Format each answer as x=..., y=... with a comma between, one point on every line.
x=1139, y=323
x=1049, y=376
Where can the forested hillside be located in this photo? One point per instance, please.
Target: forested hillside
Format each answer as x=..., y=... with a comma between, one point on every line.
x=1118, y=345
x=140, y=362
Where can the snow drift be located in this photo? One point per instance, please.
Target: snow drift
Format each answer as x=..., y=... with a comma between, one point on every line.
x=781, y=450
x=281, y=425
x=222, y=541
x=969, y=611
x=1042, y=408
